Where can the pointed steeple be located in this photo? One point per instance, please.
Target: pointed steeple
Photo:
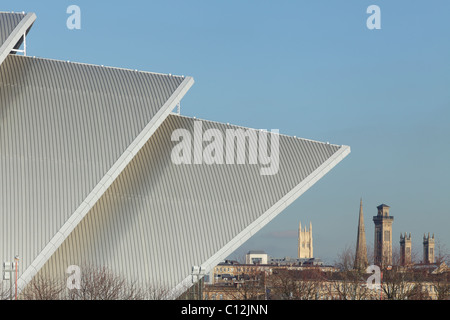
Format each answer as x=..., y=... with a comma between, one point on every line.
x=361, y=261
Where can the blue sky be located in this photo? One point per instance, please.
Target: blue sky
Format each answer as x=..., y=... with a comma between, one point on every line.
x=310, y=69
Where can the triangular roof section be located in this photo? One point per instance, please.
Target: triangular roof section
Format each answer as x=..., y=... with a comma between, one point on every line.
x=67, y=130
x=159, y=219
x=89, y=149
x=13, y=28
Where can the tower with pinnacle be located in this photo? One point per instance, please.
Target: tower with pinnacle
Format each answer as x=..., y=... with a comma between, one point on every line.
x=405, y=249
x=383, y=236
x=428, y=249
x=361, y=261
x=305, y=242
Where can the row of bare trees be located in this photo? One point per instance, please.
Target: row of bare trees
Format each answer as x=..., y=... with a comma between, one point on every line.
x=401, y=282
x=314, y=284
x=96, y=283
x=347, y=283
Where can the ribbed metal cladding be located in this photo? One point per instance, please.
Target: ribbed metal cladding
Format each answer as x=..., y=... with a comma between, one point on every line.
x=8, y=22
x=62, y=127
x=159, y=219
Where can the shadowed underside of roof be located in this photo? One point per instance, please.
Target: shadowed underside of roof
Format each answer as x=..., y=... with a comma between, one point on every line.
x=9, y=22
x=159, y=219
x=13, y=26
x=66, y=132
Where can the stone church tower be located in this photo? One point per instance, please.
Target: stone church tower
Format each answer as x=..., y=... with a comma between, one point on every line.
x=405, y=249
x=305, y=242
x=428, y=249
x=361, y=262
x=383, y=237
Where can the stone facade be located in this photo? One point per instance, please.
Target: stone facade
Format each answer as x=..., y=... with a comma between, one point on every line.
x=428, y=249
x=305, y=242
x=405, y=249
x=383, y=237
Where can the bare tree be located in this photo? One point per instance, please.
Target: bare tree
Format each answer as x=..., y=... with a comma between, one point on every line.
x=96, y=284
x=398, y=284
x=442, y=253
x=250, y=285
x=156, y=292
x=5, y=293
x=348, y=283
x=441, y=286
x=102, y=284
x=304, y=284
x=345, y=259
x=42, y=288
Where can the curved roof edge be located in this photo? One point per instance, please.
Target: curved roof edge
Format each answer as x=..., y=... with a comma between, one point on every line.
x=15, y=36
x=104, y=183
x=265, y=218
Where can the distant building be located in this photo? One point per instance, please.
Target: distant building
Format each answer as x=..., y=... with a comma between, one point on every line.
x=230, y=271
x=432, y=268
x=428, y=249
x=291, y=262
x=361, y=261
x=305, y=242
x=383, y=236
x=405, y=249
x=256, y=257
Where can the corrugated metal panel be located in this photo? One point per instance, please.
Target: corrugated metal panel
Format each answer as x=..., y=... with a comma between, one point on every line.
x=63, y=128
x=12, y=28
x=158, y=219
x=8, y=22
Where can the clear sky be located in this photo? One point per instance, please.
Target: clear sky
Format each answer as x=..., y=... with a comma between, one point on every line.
x=310, y=69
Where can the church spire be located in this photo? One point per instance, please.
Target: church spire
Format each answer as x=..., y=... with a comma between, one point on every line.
x=361, y=247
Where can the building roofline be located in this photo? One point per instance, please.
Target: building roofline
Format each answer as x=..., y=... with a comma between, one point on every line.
x=104, y=67
x=258, y=130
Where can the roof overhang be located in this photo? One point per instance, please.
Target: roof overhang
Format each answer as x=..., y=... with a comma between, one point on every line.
x=15, y=38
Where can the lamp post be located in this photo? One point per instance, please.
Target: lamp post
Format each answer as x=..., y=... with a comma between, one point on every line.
x=16, y=260
x=8, y=269
x=198, y=272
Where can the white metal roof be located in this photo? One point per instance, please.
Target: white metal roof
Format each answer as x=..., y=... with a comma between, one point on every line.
x=87, y=178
